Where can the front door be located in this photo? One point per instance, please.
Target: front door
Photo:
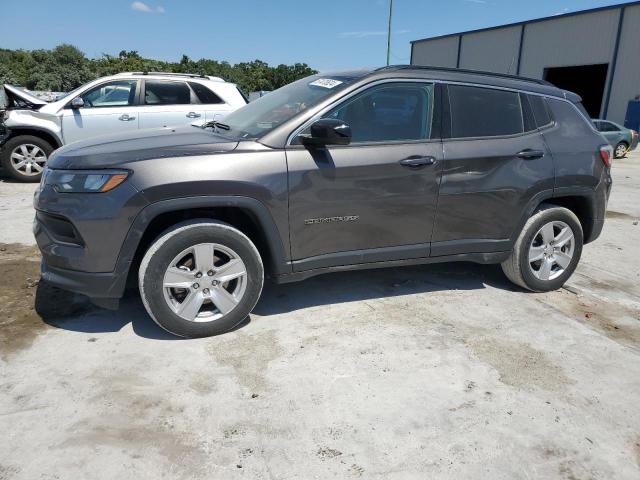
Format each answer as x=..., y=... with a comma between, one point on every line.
x=108, y=108
x=374, y=199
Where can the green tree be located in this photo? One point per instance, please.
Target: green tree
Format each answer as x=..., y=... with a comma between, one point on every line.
x=66, y=67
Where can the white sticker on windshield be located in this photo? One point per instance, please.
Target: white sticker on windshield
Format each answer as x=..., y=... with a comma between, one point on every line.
x=325, y=83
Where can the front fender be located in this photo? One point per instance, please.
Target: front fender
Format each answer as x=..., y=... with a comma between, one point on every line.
x=268, y=225
x=34, y=120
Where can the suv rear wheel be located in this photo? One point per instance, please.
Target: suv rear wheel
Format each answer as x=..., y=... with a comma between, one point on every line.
x=200, y=278
x=547, y=251
x=24, y=157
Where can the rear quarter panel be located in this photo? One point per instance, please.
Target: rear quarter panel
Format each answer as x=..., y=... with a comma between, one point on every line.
x=574, y=144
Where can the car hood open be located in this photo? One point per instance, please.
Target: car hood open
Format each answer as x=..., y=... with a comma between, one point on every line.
x=19, y=98
x=110, y=151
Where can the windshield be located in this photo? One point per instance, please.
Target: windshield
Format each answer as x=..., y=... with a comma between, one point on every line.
x=68, y=94
x=266, y=113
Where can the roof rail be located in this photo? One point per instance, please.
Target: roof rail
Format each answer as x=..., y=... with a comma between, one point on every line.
x=463, y=70
x=174, y=74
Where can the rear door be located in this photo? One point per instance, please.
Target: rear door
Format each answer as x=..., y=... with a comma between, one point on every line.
x=374, y=199
x=169, y=103
x=213, y=106
x=495, y=162
x=109, y=107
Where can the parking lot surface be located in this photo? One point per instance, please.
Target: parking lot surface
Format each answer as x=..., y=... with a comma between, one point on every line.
x=439, y=371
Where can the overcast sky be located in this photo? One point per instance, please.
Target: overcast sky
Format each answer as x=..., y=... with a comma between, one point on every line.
x=326, y=34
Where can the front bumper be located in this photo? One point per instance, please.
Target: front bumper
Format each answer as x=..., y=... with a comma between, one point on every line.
x=80, y=237
x=104, y=289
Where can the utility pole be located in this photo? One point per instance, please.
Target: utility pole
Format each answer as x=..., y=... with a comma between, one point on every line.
x=389, y=32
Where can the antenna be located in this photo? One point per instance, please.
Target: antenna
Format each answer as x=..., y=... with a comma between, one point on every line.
x=389, y=32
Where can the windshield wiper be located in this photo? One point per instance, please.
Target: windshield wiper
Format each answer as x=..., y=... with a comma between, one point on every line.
x=216, y=125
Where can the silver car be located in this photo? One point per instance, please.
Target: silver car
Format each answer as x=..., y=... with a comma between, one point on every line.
x=119, y=103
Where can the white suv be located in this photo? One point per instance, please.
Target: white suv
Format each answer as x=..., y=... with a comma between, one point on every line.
x=119, y=103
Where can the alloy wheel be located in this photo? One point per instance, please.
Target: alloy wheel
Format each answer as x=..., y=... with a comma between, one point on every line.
x=551, y=250
x=204, y=282
x=621, y=150
x=28, y=159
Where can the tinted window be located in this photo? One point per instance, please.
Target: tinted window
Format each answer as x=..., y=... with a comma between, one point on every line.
x=205, y=95
x=608, y=127
x=158, y=92
x=484, y=112
x=391, y=112
x=120, y=93
x=540, y=110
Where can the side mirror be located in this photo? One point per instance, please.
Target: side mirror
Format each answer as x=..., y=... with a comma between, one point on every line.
x=327, y=131
x=77, y=103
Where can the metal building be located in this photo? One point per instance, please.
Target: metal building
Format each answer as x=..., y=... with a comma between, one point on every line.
x=595, y=53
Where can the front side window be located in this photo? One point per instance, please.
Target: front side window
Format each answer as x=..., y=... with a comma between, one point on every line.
x=158, y=92
x=484, y=112
x=120, y=93
x=388, y=113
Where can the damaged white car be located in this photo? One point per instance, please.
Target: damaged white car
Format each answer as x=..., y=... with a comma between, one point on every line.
x=30, y=128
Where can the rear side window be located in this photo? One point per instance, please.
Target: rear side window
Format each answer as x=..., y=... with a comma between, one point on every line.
x=158, y=92
x=540, y=111
x=205, y=95
x=484, y=112
x=607, y=127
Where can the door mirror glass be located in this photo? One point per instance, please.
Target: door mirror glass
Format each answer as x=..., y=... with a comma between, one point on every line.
x=327, y=131
x=77, y=103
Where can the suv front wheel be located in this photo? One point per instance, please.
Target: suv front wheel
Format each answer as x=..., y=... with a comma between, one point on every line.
x=200, y=278
x=24, y=157
x=547, y=251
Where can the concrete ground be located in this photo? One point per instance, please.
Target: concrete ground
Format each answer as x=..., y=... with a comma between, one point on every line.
x=440, y=372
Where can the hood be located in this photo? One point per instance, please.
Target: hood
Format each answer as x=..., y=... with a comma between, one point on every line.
x=110, y=151
x=19, y=98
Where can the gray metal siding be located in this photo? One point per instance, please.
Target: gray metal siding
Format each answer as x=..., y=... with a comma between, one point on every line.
x=439, y=53
x=579, y=40
x=492, y=51
x=626, y=81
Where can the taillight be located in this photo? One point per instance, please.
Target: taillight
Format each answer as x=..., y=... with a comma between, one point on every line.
x=606, y=154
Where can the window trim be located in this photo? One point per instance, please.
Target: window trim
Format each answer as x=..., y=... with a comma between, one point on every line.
x=143, y=92
x=136, y=97
x=435, y=108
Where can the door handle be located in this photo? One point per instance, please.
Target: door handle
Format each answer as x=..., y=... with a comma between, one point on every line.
x=415, y=161
x=126, y=118
x=193, y=115
x=530, y=154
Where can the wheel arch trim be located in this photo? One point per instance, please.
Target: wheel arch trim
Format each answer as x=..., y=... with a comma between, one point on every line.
x=36, y=132
x=261, y=213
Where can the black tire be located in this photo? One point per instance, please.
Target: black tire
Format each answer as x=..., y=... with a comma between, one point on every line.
x=618, y=152
x=175, y=240
x=15, y=142
x=517, y=267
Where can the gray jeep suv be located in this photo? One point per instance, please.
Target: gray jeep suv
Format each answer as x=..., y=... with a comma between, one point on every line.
x=360, y=169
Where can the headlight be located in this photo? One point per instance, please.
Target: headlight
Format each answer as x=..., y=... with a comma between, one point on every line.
x=84, y=181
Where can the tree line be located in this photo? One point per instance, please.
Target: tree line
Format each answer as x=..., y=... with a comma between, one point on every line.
x=66, y=67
